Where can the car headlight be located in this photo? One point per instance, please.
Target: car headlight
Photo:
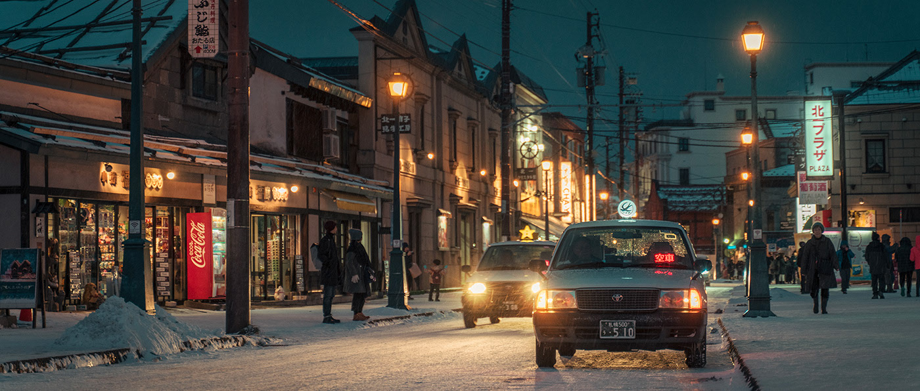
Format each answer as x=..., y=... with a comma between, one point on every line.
x=535, y=287
x=685, y=299
x=477, y=288
x=555, y=300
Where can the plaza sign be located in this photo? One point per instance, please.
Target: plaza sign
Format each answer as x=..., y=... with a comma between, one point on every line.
x=819, y=151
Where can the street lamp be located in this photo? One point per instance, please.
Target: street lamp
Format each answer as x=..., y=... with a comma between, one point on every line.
x=759, y=289
x=715, y=247
x=547, y=165
x=604, y=196
x=398, y=86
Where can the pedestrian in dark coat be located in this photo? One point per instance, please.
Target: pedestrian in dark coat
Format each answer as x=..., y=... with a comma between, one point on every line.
x=357, y=263
x=915, y=257
x=889, y=259
x=329, y=274
x=845, y=255
x=819, y=260
x=773, y=268
x=878, y=267
x=798, y=264
x=905, y=265
x=789, y=268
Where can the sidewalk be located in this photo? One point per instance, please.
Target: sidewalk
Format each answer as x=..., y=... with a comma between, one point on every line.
x=861, y=344
x=290, y=324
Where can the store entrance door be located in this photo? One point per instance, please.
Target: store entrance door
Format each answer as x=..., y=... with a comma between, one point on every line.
x=268, y=245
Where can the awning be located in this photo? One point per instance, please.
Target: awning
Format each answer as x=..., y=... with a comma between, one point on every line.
x=736, y=243
x=444, y=212
x=352, y=202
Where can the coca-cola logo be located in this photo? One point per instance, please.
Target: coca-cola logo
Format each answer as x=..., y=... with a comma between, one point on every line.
x=198, y=242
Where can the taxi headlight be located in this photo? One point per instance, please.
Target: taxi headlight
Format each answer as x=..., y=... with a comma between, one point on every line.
x=535, y=287
x=555, y=300
x=691, y=299
x=478, y=288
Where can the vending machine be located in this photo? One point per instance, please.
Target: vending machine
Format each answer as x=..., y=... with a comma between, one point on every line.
x=207, y=235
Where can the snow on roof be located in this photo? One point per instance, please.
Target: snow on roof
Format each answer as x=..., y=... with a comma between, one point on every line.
x=96, y=34
x=898, y=84
x=692, y=198
x=787, y=170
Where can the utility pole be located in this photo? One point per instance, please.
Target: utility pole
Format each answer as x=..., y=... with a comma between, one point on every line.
x=841, y=130
x=238, y=317
x=607, y=176
x=136, y=287
x=622, y=128
x=506, y=120
x=589, y=94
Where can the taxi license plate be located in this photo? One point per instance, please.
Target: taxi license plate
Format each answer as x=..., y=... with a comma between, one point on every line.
x=618, y=329
x=511, y=306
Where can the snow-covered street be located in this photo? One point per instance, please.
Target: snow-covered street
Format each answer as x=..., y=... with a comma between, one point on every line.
x=434, y=352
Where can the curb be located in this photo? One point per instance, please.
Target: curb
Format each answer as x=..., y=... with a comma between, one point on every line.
x=736, y=359
x=400, y=317
x=115, y=356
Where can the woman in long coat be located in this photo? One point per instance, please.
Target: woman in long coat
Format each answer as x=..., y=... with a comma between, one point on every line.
x=356, y=264
x=819, y=260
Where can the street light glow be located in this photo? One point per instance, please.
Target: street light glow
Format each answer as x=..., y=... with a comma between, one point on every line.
x=747, y=136
x=745, y=175
x=752, y=37
x=604, y=196
x=546, y=165
x=399, y=86
x=430, y=156
x=750, y=202
x=715, y=221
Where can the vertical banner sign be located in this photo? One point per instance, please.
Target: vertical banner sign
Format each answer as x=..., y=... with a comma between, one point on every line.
x=819, y=151
x=812, y=192
x=203, y=28
x=565, y=172
x=200, y=273
x=19, y=278
x=802, y=214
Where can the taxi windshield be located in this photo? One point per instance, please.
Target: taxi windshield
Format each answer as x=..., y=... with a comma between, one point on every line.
x=623, y=247
x=513, y=257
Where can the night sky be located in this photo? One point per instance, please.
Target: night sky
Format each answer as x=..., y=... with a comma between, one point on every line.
x=673, y=46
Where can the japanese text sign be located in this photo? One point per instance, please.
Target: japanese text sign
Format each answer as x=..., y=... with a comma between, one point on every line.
x=819, y=151
x=812, y=192
x=388, y=123
x=203, y=28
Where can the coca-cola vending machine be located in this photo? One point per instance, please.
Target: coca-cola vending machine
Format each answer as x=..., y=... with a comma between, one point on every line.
x=206, y=254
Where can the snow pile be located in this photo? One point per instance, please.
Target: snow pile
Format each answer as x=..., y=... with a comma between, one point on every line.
x=117, y=324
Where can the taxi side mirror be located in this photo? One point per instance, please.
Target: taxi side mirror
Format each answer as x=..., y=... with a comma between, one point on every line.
x=703, y=265
x=537, y=265
x=466, y=268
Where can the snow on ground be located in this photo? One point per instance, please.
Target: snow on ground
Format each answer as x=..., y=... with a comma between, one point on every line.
x=861, y=344
x=117, y=324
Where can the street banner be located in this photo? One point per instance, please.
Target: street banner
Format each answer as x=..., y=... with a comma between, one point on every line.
x=812, y=192
x=203, y=28
x=200, y=269
x=19, y=278
x=819, y=151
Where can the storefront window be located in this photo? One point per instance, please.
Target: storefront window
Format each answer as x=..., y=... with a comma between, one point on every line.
x=273, y=250
x=108, y=242
x=86, y=218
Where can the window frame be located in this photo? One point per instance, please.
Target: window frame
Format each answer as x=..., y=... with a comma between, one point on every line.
x=683, y=173
x=709, y=105
x=884, y=157
x=743, y=113
x=200, y=84
x=683, y=144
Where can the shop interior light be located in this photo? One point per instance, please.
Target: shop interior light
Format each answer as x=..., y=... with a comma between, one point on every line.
x=430, y=156
x=751, y=202
x=294, y=189
x=516, y=183
x=483, y=172
x=170, y=175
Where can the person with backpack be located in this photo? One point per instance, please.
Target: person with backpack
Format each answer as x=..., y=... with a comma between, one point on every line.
x=328, y=254
x=357, y=263
x=905, y=265
x=434, y=280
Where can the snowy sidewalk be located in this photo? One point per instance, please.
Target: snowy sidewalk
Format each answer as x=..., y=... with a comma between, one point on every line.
x=861, y=344
x=290, y=324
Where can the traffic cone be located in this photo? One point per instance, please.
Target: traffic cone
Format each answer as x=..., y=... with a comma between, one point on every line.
x=25, y=315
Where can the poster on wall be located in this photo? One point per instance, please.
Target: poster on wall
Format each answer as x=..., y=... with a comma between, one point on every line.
x=443, y=245
x=858, y=239
x=861, y=218
x=803, y=213
x=200, y=269
x=19, y=278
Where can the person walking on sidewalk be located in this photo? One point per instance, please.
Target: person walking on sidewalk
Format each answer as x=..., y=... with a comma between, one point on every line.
x=915, y=256
x=819, y=260
x=845, y=255
x=905, y=265
x=889, y=259
x=875, y=257
x=434, y=280
x=800, y=267
x=411, y=279
x=356, y=264
x=328, y=253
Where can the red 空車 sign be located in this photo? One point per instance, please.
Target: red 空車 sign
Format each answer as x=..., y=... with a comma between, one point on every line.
x=200, y=269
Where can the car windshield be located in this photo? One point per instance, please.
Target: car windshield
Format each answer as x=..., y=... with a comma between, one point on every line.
x=514, y=257
x=591, y=248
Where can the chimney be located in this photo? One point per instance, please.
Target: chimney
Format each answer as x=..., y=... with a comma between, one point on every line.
x=720, y=83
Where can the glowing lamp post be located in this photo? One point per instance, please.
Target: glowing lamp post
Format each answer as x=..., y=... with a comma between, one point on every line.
x=398, y=86
x=604, y=196
x=752, y=37
x=546, y=165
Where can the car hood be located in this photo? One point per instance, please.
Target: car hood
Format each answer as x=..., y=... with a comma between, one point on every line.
x=505, y=276
x=615, y=277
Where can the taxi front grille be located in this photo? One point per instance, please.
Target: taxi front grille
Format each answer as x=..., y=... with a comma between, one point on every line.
x=617, y=299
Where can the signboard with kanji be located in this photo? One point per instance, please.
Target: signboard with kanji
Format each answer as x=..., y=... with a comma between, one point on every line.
x=388, y=123
x=527, y=174
x=812, y=192
x=203, y=28
x=819, y=151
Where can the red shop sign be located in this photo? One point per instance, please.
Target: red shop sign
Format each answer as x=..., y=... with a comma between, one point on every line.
x=200, y=273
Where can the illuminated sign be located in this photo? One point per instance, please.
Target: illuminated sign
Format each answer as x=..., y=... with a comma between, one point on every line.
x=565, y=171
x=819, y=151
x=627, y=209
x=664, y=258
x=527, y=234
